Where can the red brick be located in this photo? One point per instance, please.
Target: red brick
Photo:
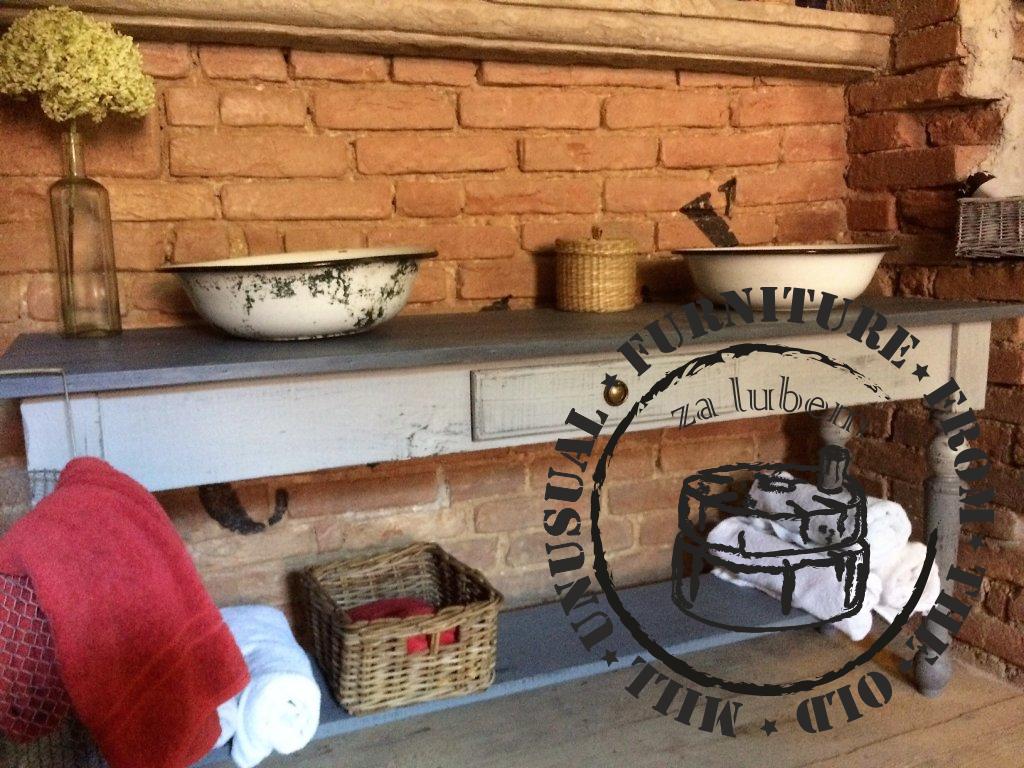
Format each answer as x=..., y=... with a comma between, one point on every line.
x=931, y=208
x=160, y=200
x=123, y=146
x=966, y=126
x=658, y=527
x=238, y=62
x=496, y=279
x=794, y=183
x=359, y=495
x=528, y=108
x=433, y=71
x=159, y=293
x=262, y=238
x=31, y=142
x=453, y=241
x=683, y=453
x=891, y=459
x=24, y=199
x=618, y=76
x=323, y=237
x=169, y=60
x=992, y=635
x=533, y=195
x=953, y=284
x=714, y=80
x=582, y=152
x=255, y=106
x=382, y=109
x=903, y=169
x=500, y=476
x=201, y=241
x=27, y=246
x=817, y=224
x=431, y=283
x=789, y=105
x=343, y=67
x=1005, y=404
x=514, y=73
x=42, y=299
x=273, y=153
x=710, y=150
x=922, y=13
x=141, y=245
x=525, y=549
x=1006, y=364
x=888, y=130
x=660, y=193
x=643, y=496
x=806, y=143
x=872, y=213
x=934, y=86
x=432, y=153
x=699, y=108
x=541, y=235
x=429, y=199
x=191, y=106
x=749, y=227
x=307, y=200
x=509, y=514
x=12, y=292
x=930, y=45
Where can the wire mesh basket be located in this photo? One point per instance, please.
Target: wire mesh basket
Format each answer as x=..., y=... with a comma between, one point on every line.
x=35, y=711
x=990, y=228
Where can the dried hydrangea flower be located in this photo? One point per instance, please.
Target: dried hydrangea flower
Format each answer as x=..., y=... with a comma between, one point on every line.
x=77, y=67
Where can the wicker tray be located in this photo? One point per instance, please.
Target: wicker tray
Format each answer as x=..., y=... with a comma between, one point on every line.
x=990, y=228
x=367, y=664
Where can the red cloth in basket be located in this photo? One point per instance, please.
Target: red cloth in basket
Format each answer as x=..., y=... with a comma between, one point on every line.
x=142, y=649
x=404, y=608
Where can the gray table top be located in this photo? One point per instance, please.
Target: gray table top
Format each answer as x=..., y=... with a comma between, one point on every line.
x=155, y=357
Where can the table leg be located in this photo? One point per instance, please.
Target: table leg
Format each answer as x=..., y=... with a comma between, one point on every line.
x=942, y=514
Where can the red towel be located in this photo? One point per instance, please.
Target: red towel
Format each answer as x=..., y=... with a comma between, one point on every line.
x=403, y=608
x=143, y=651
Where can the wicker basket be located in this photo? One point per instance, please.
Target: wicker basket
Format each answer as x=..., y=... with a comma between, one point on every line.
x=367, y=664
x=595, y=275
x=990, y=228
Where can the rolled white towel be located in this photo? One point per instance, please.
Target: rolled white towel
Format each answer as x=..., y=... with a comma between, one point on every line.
x=228, y=714
x=899, y=578
x=817, y=591
x=280, y=708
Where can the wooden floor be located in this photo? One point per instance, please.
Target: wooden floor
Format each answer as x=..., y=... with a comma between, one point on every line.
x=977, y=723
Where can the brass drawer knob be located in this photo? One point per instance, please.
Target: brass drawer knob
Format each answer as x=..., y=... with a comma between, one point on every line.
x=615, y=393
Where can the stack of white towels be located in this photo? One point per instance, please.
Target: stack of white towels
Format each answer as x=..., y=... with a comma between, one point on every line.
x=279, y=710
x=895, y=561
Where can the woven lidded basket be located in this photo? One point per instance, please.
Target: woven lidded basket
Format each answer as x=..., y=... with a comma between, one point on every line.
x=367, y=663
x=595, y=275
x=990, y=228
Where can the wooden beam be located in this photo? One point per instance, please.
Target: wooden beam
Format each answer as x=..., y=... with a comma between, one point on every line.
x=707, y=35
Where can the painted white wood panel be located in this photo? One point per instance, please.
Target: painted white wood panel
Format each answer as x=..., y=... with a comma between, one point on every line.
x=47, y=443
x=519, y=401
x=192, y=435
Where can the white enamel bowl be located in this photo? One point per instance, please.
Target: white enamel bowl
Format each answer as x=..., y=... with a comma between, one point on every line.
x=311, y=295
x=843, y=270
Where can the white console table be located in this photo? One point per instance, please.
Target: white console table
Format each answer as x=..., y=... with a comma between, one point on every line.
x=179, y=407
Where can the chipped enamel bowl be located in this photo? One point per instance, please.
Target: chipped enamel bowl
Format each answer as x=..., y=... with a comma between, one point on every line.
x=312, y=295
x=842, y=270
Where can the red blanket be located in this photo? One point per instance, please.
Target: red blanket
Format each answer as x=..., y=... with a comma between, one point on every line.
x=404, y=608
x=143, y=651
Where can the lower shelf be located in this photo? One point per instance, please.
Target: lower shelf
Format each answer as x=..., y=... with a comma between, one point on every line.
x=537, y=648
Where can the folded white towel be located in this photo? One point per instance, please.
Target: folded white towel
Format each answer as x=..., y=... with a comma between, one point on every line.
x=888, y=532
x=818, y=591
x=900, y=575
x=280, y=708
x=788, y=499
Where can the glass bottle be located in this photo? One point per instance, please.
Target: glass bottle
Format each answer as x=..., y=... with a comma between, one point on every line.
x=85, y=248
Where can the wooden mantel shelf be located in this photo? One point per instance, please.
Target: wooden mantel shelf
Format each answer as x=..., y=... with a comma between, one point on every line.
x=710, y=35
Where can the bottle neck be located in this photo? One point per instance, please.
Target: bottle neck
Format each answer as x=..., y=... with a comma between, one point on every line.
x=73, y=152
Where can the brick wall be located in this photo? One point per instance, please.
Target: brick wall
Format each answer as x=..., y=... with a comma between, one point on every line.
x=913, y=134
x=257, y=150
